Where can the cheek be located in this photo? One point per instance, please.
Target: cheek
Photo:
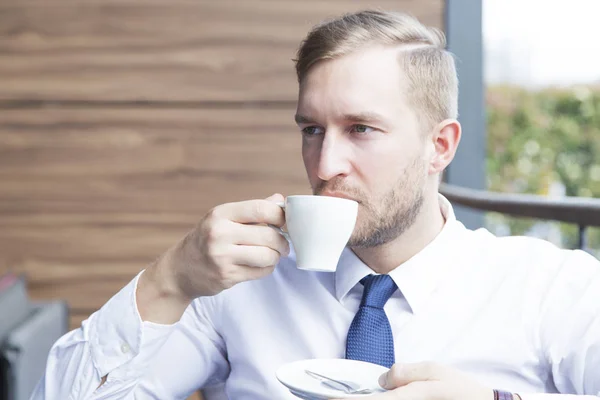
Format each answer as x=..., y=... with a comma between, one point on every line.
x=310, y=157
x=378, y=168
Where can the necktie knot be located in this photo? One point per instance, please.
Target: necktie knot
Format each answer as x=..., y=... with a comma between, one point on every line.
x=378, y=290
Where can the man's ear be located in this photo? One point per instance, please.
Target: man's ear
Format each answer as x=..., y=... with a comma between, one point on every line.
x=445, y=138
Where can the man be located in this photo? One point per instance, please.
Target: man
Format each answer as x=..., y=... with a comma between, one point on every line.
x=469, y=313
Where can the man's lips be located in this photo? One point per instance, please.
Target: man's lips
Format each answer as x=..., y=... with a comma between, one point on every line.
x=338, y=194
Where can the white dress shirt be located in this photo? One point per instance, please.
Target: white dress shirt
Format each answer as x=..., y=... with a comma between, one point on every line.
x=516, y=313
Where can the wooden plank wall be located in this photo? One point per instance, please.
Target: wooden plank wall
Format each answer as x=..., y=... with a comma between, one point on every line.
x=122, y=122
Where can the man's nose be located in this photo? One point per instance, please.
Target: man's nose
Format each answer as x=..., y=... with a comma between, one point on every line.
x=334, y=158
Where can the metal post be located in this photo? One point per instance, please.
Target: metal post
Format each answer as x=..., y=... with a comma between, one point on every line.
x=582, y=241
x=465, y=40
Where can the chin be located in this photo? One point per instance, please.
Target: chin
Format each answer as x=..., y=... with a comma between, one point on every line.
x=361, y=243
x=358, y=238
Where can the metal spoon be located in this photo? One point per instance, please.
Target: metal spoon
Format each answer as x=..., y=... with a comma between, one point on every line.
x=343, y=386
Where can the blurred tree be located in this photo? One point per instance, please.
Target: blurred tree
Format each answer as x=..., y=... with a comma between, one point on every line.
x=543, y=142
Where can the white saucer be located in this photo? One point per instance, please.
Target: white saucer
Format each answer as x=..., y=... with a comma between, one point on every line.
x=365, y=374
x=306, y=396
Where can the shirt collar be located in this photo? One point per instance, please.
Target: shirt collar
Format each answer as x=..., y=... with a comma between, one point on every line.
x=418, y=277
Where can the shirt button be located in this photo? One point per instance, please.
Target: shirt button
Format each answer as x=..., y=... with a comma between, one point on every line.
x=125, y=348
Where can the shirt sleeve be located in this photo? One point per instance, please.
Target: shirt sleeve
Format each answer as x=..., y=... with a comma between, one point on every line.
x=570, y=330
x=138, y=356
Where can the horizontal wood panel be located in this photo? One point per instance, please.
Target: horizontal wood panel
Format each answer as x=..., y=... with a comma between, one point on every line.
x=90, y=197
x=81, y=263
x=126, y=50
x=143, y=161
x=62, y=246
x=83, y=297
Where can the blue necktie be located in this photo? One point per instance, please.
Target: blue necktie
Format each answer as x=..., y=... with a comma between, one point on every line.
x=370, y=335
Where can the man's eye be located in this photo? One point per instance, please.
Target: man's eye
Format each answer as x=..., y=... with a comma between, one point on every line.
x=361, y=129
x=312, y=130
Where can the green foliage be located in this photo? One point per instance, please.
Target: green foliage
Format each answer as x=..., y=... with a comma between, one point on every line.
x=538, y=141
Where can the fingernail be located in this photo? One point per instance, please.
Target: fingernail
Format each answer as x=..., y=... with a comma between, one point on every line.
x=383, y=380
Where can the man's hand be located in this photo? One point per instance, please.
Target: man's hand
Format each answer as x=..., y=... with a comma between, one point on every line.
x=429, y=381
x=230, y=245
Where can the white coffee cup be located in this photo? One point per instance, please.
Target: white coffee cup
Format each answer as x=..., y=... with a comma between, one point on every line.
x=319, y=228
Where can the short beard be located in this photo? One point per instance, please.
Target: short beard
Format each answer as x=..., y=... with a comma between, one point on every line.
x=397, y=212
x=392, y=222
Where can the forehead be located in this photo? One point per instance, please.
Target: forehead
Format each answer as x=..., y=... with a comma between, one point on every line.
x=371, y=78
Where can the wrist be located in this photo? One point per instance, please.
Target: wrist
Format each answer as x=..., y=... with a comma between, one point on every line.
x=159, y=298
x=164, y=278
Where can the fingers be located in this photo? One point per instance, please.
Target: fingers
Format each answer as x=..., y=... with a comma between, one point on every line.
x=276, y=198
x=254, y=256
x=231, y=275
x=256, y=235
x=420, y=390
x=413, y=391
x=251, y=273
x=390, y=395
x=253, y=211
x=403, y=374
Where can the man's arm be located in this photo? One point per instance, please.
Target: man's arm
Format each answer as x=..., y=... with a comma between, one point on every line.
x=226, y=248
x=114, y=337
x=172, y=361
x=109, y=356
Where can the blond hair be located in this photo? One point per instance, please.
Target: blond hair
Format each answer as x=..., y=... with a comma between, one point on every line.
x=429, y=67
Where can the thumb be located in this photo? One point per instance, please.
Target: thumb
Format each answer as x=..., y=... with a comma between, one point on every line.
x=276, y=198
x=403, y=374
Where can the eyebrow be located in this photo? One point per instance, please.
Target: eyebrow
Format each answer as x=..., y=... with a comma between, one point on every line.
x=364, y=117
x=356, y=117
x=301, y=119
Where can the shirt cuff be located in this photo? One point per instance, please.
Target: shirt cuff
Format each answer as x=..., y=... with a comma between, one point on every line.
x=117, y=334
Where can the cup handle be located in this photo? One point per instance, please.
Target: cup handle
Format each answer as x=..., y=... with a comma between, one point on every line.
x=278, y=229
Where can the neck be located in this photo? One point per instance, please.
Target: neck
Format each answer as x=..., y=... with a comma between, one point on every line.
x=427, y=226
